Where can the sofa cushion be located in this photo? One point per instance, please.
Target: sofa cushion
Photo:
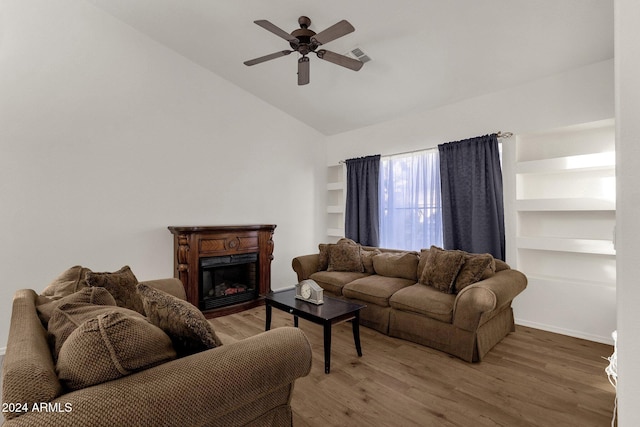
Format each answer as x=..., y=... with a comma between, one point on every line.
x=345, y=257
x=403, y=265
x=476, y=267
x=424, y=300
x=375, y=289
x=367, y=259
x=90, y=295
x=424, y=254
x=333, y=281
x=187, y=327
x=110, y=346
x=121, y=284
x=67, y=283
x=441, y=269
x=67, y=317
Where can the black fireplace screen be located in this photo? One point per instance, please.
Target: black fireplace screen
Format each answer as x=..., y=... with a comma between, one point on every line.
x=228, y=279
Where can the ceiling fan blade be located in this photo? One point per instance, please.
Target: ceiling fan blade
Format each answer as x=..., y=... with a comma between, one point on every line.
x=276, y=30
x=333, y=32
x=336, y=58
x=303, y=71
x=267, y=57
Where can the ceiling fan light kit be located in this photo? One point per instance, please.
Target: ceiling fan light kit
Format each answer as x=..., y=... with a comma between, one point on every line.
x=306, y=41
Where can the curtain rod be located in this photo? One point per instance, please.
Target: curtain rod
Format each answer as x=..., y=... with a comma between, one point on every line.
x=499, y=134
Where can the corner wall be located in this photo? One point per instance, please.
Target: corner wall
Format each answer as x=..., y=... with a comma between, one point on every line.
x=107, y=138
x=627, y=52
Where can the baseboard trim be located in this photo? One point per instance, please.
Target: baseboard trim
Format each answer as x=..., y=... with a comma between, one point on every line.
x=569, y=332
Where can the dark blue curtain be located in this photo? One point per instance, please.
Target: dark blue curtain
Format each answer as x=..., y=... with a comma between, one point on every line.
x=472, y=207
x=361, y=215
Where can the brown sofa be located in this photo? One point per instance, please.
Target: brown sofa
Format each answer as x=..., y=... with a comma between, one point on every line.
x=464, y=322
x=247, y=382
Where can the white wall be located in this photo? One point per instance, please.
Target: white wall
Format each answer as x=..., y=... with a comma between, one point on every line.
x=107, y=138
x=579, y=96
x=627, y=51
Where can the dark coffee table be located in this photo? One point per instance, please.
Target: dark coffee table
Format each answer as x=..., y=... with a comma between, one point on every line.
x=331, y=312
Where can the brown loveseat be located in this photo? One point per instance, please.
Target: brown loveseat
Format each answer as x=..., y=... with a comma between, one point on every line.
x=421, y=297
x=247, y=382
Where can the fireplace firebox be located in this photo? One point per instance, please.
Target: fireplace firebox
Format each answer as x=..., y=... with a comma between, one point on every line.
x=224, y=269
x=228, y=279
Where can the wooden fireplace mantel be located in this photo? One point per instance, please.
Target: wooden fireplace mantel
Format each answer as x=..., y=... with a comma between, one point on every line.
x=190, y=243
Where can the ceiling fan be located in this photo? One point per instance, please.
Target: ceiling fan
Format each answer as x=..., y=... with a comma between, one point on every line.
x=305, y=41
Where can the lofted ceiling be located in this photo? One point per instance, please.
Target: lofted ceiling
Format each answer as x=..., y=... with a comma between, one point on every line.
x=425, y=53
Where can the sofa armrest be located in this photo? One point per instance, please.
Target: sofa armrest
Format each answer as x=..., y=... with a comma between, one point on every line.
x=305, y=265
x=476, y=304
x=170, y=285
x=229, y=385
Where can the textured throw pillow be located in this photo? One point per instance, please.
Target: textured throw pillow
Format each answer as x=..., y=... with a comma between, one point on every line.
x=121, y=284
x=187, y=327
x=475, y=268
x=345, y=241
x=441, y=269
x=68, y=317
x=110, y=346
x=403, y=265
x=367, y=259
x=69, y=282
x=345, y=257
x=323, y=256
x=90, y=295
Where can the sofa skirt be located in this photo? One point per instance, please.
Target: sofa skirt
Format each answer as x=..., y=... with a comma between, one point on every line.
x=468, y=346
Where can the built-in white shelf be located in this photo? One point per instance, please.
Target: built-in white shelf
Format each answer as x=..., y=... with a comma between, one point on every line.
x=335, y=186
x=585, y=246
x=566, y=204
x=581, y=162
x=559, y=281
x=335, y=232
x=335, y=209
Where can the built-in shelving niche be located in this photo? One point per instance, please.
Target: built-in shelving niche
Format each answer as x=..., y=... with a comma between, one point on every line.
x=565, y=216
x=335, y=201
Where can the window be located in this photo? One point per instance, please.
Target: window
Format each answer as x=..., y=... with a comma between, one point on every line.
x=410, y=206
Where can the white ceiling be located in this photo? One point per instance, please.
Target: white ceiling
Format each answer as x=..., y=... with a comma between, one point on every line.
x=425, y=53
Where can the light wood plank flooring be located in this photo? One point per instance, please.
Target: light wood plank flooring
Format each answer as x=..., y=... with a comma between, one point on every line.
x=531, y=378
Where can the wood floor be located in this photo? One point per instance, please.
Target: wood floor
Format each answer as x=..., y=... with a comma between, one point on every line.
x=531, y=378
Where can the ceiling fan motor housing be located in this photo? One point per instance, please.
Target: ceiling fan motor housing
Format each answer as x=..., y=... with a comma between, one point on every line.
x=304, y=35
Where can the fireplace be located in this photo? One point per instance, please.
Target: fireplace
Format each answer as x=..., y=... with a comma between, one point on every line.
x=224, y=269
x=229, y=279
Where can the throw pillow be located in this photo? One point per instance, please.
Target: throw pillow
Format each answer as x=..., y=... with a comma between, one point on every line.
x=367, y=259
x=475, y=268
x=67, y=283
x=121, y=284
x=323, y=256
x=110, y=346
x=90, y=295
x=345, y=257
x=403, y=265
x=441, y=269
x=345, y=241
x=187, y=327
x=66, y=318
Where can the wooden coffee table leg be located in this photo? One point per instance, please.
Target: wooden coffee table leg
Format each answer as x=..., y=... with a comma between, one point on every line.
x=327, y=347
x=267, y=324
x=355, y=325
